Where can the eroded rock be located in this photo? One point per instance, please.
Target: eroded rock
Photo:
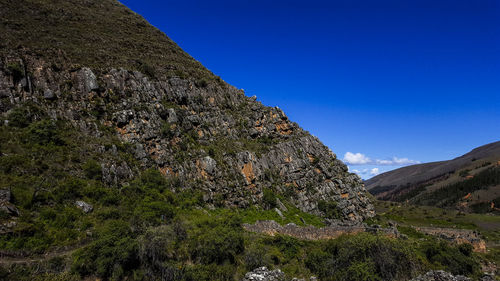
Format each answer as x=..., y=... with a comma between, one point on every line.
x=214, y=139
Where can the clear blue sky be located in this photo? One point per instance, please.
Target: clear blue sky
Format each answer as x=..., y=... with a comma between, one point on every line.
x=408, y=79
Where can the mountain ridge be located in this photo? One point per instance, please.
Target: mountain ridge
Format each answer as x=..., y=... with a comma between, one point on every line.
x=408, y=182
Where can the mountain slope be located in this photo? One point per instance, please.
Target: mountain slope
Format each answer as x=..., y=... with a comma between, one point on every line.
x=414, y=182
x=96, y=34
x=122, y=158
x=73, y=61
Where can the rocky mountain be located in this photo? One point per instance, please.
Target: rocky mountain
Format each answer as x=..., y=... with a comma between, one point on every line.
x=474, y=175
x=120, y=75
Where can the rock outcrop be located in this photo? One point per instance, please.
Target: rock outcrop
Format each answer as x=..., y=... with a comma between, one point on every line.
x=264, y=274
x=6, y=205
x=84, y=206
x=210, y=137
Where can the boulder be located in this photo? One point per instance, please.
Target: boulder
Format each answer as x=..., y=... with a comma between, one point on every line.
x=5, y=195
x=84, y=206
x=87, y=80
x=5, y=205
x=49, y=95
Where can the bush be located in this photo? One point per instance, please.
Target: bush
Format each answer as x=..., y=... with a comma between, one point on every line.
x=329, y=209
x=217, y=245
x=287, y=245
x=16, y=70
x=256, y=256
x=209, y=273
x=69, y=189
x=24, y=115
x=151, y=212
x=456, y=259
x=269, y=198
x=147, y=69
x=166, y=130
x=92, y=170
x=201, y=83
x=364, y=257
x=153, y=179
x=156, y=245
x=44, y=132
x=113, y=254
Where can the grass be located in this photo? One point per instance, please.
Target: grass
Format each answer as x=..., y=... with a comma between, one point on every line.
x=104, y=34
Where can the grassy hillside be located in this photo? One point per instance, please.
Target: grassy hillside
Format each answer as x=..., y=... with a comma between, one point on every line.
x=98, y=34
x=446, y=183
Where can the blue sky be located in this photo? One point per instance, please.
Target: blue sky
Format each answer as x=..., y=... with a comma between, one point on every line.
x=384, y=80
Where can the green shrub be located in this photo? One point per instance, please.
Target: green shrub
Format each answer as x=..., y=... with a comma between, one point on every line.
x=24, y=115
x=16, y=70
x=113, y=254
x=69, y=189
x=217, y=245
x=256, y=256
x=150, y=212
x=364, y=257
x=288, y=246
x=147, y=69
x=166, y=130
x=92, y=170
x=269, y=198
x=153, y=179
x=329, y=209
x=410, y=232
x=209, y=273
x=44, y=132
x=456, y=259
x=157, y=245
x=201, y=83
x=317, y=261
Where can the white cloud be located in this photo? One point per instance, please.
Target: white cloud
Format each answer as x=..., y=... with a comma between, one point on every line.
x=356, y=159
x=361, y=159
x=395, y=161
x=365, y=173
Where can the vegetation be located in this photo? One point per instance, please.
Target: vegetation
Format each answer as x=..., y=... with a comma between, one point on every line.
x=329, y=209
x=104, y=34
x=151, y=227
x=450, y=194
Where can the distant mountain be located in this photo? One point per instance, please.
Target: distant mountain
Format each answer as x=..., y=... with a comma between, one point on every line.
x=469, y=181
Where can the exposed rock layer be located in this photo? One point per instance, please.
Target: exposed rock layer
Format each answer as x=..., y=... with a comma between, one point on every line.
x=211, y=137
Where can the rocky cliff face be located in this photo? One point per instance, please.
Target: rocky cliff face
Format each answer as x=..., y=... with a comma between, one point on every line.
x=210, y=137
x=198, y=131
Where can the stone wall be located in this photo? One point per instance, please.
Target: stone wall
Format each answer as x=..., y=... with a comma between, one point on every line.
x=458, y=236
x=314, y=233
